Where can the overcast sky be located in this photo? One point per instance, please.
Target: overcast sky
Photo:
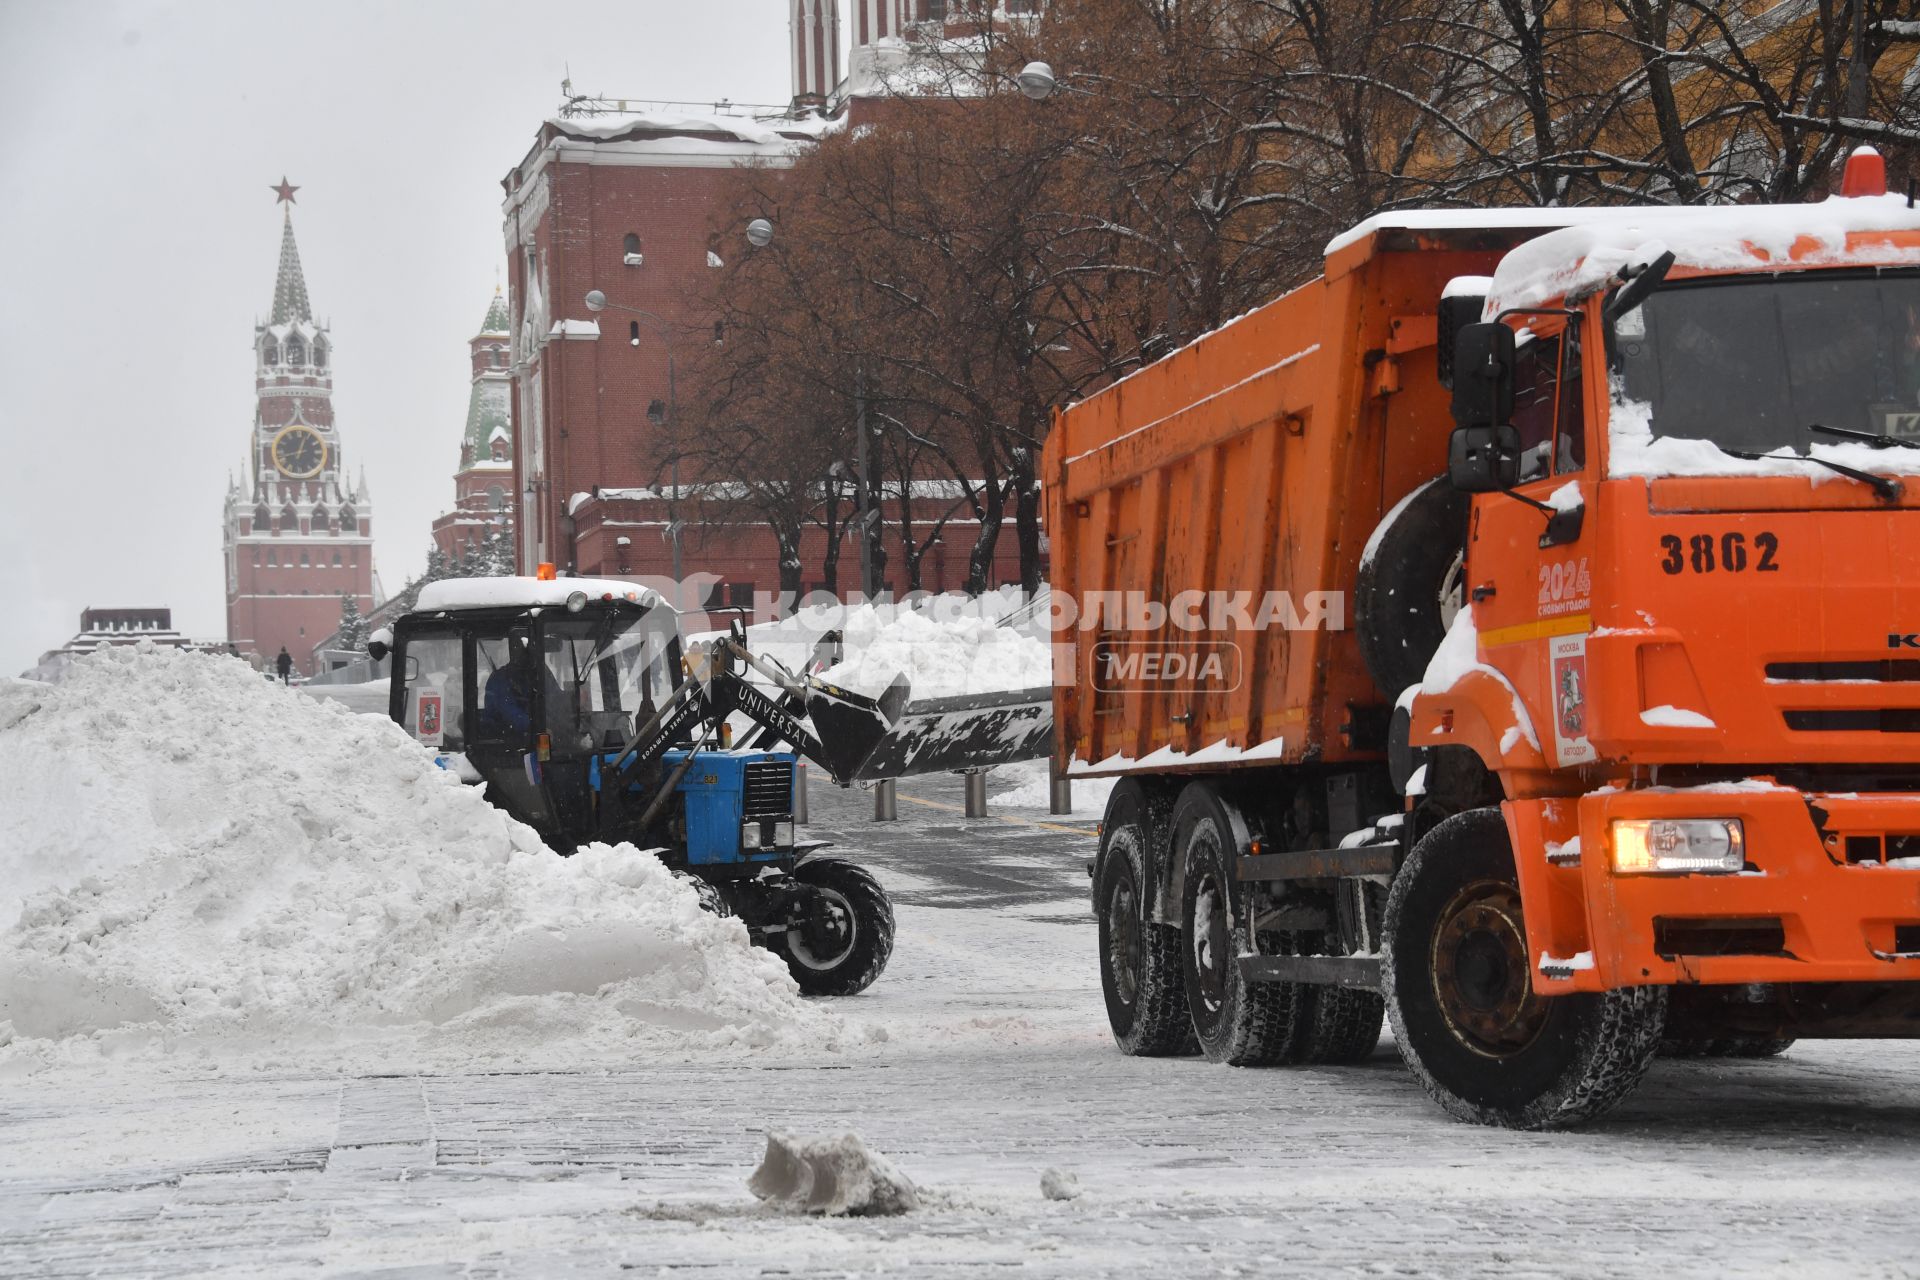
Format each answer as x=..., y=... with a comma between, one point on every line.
x=139, y=237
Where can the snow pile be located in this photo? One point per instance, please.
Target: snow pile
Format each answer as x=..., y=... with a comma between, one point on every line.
x=1031, y=789
x=835, y=1176
x=941, y=656
x=192, y=856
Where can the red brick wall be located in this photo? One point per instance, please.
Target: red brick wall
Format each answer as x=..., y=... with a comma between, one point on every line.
x=595, y=393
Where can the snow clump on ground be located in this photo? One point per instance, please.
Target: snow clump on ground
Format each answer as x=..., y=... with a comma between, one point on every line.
x=195, y=859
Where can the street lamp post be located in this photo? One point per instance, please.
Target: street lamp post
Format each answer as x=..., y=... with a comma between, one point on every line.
x=596, y=301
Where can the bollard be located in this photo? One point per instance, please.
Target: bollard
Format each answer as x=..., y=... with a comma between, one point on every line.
x=800, y=793
x=976, y=792
x=1059, y=790
x=885, y=807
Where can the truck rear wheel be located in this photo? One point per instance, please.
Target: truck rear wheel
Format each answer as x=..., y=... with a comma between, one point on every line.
x=1738, y=1047
x=1240, y=1023
x=844, y=936
x=1410, y=585
x=1459, y=985
x=1346, y=1026
x=1139, y=960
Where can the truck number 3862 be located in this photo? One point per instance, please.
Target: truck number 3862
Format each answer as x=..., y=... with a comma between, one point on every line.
x=1704, y=553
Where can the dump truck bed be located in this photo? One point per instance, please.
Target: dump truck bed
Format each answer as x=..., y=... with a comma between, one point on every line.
x=1249, y=468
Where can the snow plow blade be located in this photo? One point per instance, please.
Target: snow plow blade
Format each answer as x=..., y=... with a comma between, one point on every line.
x=866, y=740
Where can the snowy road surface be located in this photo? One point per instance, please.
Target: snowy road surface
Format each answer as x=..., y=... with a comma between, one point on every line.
x=997, y=1066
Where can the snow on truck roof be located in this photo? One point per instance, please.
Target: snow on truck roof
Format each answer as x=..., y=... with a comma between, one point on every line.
x=1582, y=248
x=503, y=593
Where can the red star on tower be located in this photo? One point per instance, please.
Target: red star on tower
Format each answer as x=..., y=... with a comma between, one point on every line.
x=285, y=191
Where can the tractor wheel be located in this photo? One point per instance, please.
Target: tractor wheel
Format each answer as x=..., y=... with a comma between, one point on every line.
x=1139, y=959
x=1240, y=1023
x=1411, y=584
x=843, y=935
x=1482, y=1042
x=711, y=898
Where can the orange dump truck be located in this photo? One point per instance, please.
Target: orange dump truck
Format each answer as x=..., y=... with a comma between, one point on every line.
x=1514, y=632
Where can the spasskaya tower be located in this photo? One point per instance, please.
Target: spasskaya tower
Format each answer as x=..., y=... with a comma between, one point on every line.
x=299, y=532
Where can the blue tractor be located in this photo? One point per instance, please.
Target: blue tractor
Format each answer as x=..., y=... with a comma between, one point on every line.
x=578, y=705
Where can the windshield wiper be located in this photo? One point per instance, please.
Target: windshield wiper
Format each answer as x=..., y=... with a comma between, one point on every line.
x=1865, y=437
x=1885, y=486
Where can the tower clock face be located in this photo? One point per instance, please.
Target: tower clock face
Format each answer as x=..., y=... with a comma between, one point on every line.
x=299, y=452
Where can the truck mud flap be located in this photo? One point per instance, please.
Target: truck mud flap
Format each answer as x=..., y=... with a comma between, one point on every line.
x=934, y=735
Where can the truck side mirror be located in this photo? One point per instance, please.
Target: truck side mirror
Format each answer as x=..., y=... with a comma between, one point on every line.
x=1483, y=375
x=1484, y=459
x=380, y=644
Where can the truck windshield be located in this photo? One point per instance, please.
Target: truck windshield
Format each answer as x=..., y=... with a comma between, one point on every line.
x=605, y=675
x=1750, y=365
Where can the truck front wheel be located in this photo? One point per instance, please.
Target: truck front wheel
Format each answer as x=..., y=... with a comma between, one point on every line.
x=1139, y=959
x=842, y=935
x=1240, y=1023
x=1481, y=1040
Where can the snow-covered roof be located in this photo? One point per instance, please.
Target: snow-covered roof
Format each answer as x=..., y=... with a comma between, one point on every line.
x=779, y=133
x=500, y=593
x=1581, y=248
x=1583, y=256
x=496, y=321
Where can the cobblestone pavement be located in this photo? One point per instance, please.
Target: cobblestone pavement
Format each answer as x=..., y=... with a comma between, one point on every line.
x=997, y=1067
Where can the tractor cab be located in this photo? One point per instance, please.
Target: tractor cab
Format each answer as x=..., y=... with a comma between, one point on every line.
x=528, y=686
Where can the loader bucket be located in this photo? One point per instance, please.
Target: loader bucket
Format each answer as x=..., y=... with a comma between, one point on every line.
x=933, y=735
x=850, y=725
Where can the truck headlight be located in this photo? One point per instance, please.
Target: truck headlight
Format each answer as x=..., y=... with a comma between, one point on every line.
x=1675, y=846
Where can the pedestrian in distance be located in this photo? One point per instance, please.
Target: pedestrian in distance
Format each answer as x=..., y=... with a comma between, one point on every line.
x=284, y=664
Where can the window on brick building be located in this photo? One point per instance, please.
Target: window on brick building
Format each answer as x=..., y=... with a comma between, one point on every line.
x=319, y=355
x=319, y=520
x=496, y=496
x=630, y=249
x=713, y=252
x=336, y=559
x=304, y=563
x=633, y=333
x=348, y=523
x=270, y=352
x=273, y=558
x=262, y=519
x=719, y=332
x=289, y=520
x=296, y=351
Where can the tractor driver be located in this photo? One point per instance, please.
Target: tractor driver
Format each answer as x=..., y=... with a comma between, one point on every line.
x=507, y=702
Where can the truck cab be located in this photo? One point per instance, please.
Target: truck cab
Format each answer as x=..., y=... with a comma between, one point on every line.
x=1690, y=674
